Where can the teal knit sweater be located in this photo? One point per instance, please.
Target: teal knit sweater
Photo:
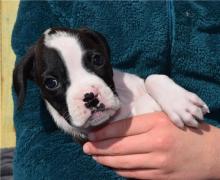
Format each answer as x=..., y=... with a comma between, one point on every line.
x=177, y=38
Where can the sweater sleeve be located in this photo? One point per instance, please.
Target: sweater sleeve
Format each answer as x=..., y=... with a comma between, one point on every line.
x=195, y=53
x=43, y=151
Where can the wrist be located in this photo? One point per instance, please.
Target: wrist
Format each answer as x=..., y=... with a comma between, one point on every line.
x=152, y=81
x=213, y=152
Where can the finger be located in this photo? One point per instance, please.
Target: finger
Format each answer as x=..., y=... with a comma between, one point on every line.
x=134, y=161
x=140, y=173
x=137, y=144
x=132, y=126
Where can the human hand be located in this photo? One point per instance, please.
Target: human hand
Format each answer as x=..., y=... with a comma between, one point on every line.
x=151, y=147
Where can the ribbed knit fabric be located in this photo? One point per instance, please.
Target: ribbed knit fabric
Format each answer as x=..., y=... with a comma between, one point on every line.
x=180, y=39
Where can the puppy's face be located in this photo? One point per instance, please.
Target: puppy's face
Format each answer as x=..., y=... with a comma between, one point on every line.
x=73, y=70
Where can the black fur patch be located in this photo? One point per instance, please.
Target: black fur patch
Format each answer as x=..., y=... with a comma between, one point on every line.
x=42, y=62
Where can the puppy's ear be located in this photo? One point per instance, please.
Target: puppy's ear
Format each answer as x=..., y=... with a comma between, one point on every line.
x=97, y=37
x=23, y=71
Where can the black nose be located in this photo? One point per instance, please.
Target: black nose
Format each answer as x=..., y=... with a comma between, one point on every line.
x=88, y=97
x=90, y=100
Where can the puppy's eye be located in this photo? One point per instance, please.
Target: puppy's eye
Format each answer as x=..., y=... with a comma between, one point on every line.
x=97, y=60
x=51, y=83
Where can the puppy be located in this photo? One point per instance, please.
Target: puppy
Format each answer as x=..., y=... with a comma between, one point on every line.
x=81, y=90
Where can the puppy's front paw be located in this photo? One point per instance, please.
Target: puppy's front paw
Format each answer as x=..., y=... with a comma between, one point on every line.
x=188, y=109
x=182, y=106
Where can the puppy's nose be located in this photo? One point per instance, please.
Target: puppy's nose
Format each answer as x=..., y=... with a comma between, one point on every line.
x=88, y=97
x=90, y=100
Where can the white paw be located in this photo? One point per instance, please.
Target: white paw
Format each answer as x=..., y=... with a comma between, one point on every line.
x=182, y=106
x=185, y=108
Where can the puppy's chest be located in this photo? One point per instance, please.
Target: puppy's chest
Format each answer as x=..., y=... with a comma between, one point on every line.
x=133, y=96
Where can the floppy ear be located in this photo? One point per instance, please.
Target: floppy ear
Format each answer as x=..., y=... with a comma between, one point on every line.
x=97, y=37
x=22, y=72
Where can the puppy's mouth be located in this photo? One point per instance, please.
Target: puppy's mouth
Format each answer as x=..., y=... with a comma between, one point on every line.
x=100, y=114
x=99, y=117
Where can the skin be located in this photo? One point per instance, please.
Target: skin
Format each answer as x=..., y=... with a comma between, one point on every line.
x=150, y=146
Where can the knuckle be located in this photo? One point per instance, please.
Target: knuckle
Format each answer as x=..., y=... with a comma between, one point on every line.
x=162, y=161
x=163, y=120
x=160, y=141
x=164, y=143
x=116, y=148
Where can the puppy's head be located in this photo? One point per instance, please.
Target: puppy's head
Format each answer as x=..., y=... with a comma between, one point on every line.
x=73, y=70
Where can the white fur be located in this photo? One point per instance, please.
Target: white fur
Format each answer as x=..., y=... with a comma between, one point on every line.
x=133, y=97
x=81, y=81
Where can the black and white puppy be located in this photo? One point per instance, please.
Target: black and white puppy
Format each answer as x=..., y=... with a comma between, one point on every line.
x=73, y=70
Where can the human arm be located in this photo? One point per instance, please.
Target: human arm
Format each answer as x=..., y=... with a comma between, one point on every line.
x=151, y=147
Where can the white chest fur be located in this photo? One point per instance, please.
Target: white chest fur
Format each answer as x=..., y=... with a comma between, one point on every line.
x=133, y=96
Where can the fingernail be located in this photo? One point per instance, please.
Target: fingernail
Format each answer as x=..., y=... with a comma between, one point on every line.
x=94, y=157
x=86, y=149
x=91, y=136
